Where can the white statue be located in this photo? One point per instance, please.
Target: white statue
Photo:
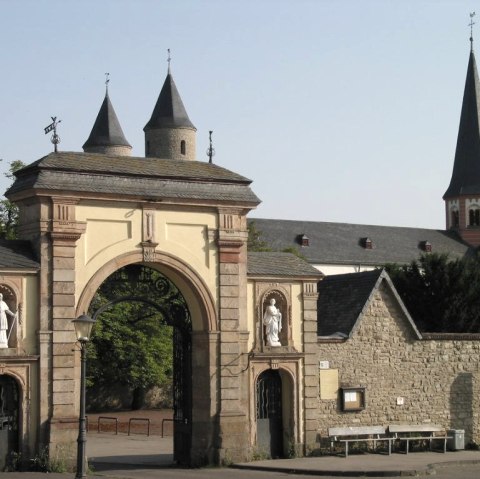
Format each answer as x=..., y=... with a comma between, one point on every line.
x=4, y=310
x=272, y=319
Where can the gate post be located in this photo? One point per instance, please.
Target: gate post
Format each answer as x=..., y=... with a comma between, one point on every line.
x=234, y=439
x=64, y=233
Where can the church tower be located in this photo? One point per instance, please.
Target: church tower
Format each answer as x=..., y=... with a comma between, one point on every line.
x=107, y=136
x=170, y=134
x=462, y=198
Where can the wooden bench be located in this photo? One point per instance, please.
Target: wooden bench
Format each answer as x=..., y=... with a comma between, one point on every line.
x=418, y=432
x=359, y=434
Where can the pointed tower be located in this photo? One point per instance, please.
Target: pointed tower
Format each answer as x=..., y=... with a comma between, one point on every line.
x=170, y=133
x=107, y=136
x=462, y=198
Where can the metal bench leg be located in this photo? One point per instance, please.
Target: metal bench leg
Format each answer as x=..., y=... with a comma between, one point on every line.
x=346, y=449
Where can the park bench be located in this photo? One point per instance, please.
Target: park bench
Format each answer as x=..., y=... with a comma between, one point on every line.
x=418, y=432
x=359, y=434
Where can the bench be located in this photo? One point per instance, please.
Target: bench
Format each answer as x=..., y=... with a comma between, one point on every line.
x=418, y=432
x=359, y=434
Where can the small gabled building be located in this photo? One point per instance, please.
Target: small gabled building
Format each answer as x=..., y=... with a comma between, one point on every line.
x=377, y=368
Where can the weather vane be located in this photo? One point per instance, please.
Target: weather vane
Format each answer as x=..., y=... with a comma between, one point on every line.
x=471, y=24
x=169, y=59
x=210, y=149
x=107, y=80
x=55, y=139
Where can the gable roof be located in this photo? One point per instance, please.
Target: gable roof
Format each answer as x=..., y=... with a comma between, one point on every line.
x=279, y=265
x=82, y=174
x=17, y=254
x=343, y=243
x=106, y=130
x=343, y=299
x=466, y=168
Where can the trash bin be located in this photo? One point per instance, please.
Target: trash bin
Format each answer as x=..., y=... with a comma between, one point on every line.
x=457, y=439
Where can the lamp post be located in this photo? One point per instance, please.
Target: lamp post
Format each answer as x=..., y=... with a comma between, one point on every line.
x=83, y=328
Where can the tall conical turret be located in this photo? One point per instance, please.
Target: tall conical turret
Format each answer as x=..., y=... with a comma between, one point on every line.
x=170, y=133
x=107, y=136
x=462, y=198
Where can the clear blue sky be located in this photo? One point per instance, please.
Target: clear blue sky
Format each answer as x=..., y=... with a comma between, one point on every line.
x=342, y=111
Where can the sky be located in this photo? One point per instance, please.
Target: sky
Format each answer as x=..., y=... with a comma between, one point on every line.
x=337, y=110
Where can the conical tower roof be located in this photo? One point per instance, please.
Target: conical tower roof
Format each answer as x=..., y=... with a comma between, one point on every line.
x=466, y=168
x=169, y=111
x=106, y=131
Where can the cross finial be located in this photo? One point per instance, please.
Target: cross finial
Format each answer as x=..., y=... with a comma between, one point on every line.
x=169, y=59
x=107, y=81
x=471, y=24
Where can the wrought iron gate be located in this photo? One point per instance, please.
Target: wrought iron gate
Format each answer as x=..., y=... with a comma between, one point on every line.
x=269, y=413
x=9, y=405
x=139, y=283
x=182, y=396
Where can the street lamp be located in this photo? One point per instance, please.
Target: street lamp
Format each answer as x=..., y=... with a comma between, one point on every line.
x=83, y=328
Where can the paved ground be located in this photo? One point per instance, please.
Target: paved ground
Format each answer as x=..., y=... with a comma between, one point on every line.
x=141, y=457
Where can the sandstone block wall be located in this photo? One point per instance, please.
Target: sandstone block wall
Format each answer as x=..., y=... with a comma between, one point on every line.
x=407, y=380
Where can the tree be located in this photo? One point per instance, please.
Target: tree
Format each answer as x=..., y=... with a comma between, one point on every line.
x=442, y=295
x=255, y=241
x=8, y=210
x=132, y=342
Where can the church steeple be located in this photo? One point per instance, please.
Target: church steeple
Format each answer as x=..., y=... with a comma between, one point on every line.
x=107, y=136
x=169, y=132
x=462, y=198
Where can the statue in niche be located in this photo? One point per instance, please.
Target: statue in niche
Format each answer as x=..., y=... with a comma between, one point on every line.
x=272, y=320
x=4, y=310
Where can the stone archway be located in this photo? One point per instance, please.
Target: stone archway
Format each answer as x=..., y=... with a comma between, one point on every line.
x=199, y=423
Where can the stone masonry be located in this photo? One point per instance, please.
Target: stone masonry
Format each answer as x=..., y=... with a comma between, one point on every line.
x=438, y=380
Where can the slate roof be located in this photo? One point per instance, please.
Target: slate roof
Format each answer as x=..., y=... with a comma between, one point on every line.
x=466, y=167
x=17, y=254
x=158, y=179
x=279, y=265
x=106, y=130
x=343, y=243
x=343, y=298
x=169, y=111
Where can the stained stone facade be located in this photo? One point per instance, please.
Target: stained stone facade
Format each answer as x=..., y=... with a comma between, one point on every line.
x=409, y=378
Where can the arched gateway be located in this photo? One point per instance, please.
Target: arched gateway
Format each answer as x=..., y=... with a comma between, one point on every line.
x=86, y=215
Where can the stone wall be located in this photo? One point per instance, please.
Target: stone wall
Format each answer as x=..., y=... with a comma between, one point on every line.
x=407, y=380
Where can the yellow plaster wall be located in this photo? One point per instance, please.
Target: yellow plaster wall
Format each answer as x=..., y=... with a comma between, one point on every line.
x=297, y=316
x=31, y=321
x=113, y=230
x=251, y=313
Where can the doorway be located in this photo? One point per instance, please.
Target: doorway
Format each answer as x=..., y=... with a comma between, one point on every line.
x=269, y=413
x=9, y=414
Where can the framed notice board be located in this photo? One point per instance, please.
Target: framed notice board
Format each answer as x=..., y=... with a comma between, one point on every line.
x=352, y=398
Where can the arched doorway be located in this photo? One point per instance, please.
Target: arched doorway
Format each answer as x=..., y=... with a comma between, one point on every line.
x=9, y=418
x=269, y=413
x=139, y=310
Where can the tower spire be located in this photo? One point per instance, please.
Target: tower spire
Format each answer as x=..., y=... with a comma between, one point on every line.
x=471, y=24
x=169, y=133
x=107, y=135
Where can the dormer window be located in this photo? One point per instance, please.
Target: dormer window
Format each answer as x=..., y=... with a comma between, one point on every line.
x=474, y=216
x=305, y=240
x=426, y=246
x=183, y=147
x=367, y=243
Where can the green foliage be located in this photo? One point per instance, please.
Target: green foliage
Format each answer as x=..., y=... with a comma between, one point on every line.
x=132, y=342
x=8, y=210
x=442, y=295
x=255, y=241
